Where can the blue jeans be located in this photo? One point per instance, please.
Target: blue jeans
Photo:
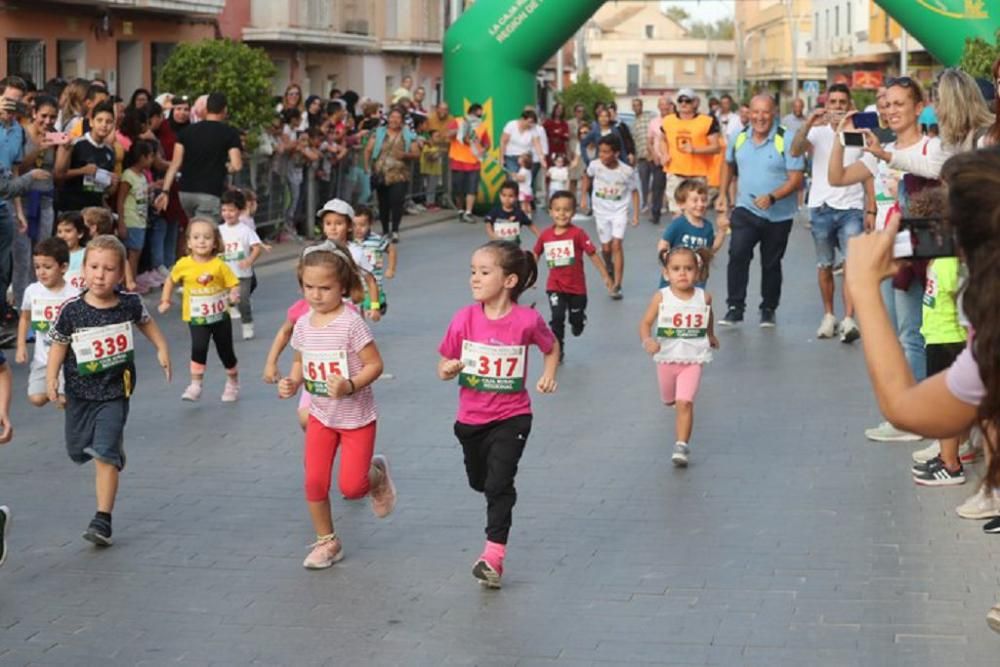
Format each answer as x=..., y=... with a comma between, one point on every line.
x=831, y=227
x=163, y=242
x=906, y=314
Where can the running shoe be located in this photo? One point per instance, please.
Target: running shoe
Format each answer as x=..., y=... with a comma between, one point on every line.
x=992, y=526
x=192, y=393
x=467, y=217
x=326, y=551
x=927, y=466
x=248, y=332
x=767, y=318
x=99, y=532
x=827, y=327
x=993, y=618
x=849, y=331
x=489, y=567
x=616, y=293
x=231, y=392
x=886, y=432
x=941, y=476
x=732, y=317
x=4, y=527
x=981, y=505
x=234, y=313
x=680, y=457
x=383, y=496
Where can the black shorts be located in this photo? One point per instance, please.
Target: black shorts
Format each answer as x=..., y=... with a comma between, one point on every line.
x=464, y=182
x=941, y=356
x=96, y=430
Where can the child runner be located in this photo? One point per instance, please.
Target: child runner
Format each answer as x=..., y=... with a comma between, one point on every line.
x=250, y=210
x=525, y=186
x=133, y=203
x=71, y=229
x=486, y=347
x=241, y=248
x=558, y=174
x=690, y=229
x=337, y=360
x=93, y=344
x=505, y=220
x=375, y=249
x=100, y=222
x=337, y=218
x=209, y=285
x=685, y=332
x=563, y=246
x=39, y=311
x=6, y=434
x=612, y=181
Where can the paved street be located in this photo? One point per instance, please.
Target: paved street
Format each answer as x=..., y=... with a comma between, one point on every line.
x=790, y=540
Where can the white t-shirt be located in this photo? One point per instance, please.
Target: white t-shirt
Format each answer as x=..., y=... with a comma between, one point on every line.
x=358, y=255
x=518, y=142
x=37, y=291
x=237, y=242
x=558, y=179
x=821, y=192
x=612, y=188
x=524, y=185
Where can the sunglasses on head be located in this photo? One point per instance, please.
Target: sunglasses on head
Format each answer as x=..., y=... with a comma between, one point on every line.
x=684, y=100
x=902, y=81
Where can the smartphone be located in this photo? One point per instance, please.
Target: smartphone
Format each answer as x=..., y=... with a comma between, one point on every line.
x=17, y=108
x=56, y=137
x=867, y=120
x=852, y=139
x=924, y=238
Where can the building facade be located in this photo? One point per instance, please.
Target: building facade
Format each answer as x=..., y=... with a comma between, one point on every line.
x=638, y=51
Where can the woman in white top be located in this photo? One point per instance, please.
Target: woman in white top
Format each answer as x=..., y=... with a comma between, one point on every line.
x=519, y=137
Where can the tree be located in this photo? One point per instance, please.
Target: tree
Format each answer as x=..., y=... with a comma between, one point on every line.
x=979, y=55
x=586, y=92
x=721, y=29
x=239, y=71
x=677, y=13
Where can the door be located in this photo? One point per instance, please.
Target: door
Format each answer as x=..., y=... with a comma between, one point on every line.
x=130, y=68
x=633, y=79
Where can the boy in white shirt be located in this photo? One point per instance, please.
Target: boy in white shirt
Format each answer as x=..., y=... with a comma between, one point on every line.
x=40, y=309
x=241, y=248
x=612, y=182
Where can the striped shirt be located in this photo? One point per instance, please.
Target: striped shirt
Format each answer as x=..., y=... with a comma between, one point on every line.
x=347, y=332
x=640, y=133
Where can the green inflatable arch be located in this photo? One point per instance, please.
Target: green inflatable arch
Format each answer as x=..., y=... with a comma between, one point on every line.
x=494, y=50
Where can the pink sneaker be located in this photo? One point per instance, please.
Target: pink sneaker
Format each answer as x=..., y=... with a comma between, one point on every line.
x=192, y=393
x=325, y=552
x=231, y=392
x=489, y=568
x=383, y=496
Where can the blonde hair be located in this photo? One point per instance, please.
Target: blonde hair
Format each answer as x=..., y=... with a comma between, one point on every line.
x=961, y=109
x=107, y=242
x=217, y=244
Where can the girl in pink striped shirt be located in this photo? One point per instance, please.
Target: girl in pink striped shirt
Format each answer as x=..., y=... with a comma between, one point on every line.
x=337, y=361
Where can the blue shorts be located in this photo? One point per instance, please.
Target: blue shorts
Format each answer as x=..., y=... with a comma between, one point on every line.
x=96, y=430
x=136, y=238
x=831, y=228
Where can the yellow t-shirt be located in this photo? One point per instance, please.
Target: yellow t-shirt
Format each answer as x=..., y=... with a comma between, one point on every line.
x=205, y=282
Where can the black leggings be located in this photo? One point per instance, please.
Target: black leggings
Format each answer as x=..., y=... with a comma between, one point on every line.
x=561, y=303
x=222, y=332
x=390, y=206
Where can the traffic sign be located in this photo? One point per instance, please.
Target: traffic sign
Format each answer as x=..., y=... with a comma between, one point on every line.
x=811, y=88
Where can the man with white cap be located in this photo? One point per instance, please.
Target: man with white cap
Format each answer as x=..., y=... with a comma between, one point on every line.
x=689, y=140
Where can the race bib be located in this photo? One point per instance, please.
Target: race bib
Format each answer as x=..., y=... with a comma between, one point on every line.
x=98, y=182
x=208, y=308
x=493, y=368
x=75, y=279
x=319, y=369
x=559, y=253
x=233, y=252
x=930, y=292
x=682, y=321
x=373, y=256
x=44, y=313
x=100, y=348
x=506, y=230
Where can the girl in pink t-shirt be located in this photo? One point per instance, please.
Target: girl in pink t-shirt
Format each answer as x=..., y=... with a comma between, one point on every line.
x=486, y=347
x=336, y=360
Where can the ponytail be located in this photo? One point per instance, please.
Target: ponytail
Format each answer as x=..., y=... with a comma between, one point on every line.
x=513, y=260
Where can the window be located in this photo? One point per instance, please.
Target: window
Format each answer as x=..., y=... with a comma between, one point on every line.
x=826, y=22
x=26, y=58
x=632, y=85
x=71, y=59
x=650, y=31
x=161, y=52
x=690, y=66
x=663, y=69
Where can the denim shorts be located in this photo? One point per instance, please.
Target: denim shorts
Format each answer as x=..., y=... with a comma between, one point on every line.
x=96, y=430
x=136, y=238
x=831, y=228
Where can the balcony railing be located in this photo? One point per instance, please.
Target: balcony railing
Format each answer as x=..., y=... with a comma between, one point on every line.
x=318, y=22
x=195, y=7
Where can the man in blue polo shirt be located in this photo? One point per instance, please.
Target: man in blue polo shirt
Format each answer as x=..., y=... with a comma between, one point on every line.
x=12, y=90
x=768, y=178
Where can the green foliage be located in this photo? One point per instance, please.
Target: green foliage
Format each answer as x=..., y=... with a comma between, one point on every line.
x=677, y=13
x=587, y=92
x=721, y=29
x=243, y=73
x=979, y=55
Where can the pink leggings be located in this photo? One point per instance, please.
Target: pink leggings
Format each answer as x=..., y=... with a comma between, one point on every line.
x=678, y=382
x=322, y=442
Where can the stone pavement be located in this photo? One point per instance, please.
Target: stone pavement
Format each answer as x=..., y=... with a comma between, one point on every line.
x=789, y=541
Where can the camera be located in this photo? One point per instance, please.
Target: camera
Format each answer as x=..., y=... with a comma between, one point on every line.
x=924, y=238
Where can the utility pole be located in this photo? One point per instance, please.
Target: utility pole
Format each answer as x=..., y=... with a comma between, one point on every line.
x=904, y=53
x=793, y=29
x=559, y=68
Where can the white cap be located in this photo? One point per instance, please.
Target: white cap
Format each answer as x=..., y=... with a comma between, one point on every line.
x=336, y=206
x=686, y=92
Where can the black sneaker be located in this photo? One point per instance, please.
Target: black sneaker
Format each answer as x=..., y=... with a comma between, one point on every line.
x=992, y=526
x=732, y=317
x=4, y=527
x=577, y=329
x=927, y=466
x=941, y=477
x=767, y=319
x=99, y=532
x=616, y=294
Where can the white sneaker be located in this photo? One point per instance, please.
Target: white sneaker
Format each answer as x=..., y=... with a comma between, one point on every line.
x=980, y=505
x=886, y=432
x=248, y=331
x=828, y=327
x=849, y=331
x=234, y=313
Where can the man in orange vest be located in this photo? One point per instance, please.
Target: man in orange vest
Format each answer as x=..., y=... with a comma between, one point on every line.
x=689, y=142
x=469, y=142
